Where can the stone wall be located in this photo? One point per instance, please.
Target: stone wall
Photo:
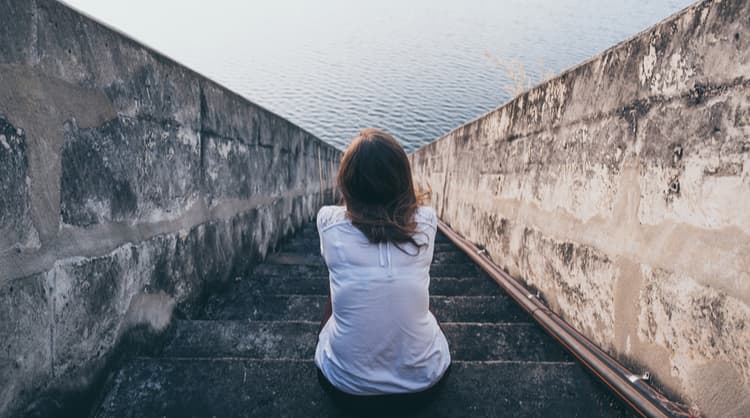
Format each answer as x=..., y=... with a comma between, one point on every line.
x=127, y=184
x=621, y=190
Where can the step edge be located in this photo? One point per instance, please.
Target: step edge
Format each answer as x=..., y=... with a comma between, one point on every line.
x=325, y=277
x=467, y=297
x=310, y=360
x=304, y=322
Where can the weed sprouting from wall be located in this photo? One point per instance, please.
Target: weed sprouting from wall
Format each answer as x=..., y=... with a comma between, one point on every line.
x=520, y=77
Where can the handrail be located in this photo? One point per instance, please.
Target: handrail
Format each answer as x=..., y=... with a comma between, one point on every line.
x=641, y=397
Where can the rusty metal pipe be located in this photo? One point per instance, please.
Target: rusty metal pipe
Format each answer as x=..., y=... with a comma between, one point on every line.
x=641, y=397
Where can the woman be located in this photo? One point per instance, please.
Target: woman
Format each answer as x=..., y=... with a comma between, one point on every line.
x=378, y=340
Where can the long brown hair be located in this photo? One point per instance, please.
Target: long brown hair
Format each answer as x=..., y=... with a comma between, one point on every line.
x=375, y=181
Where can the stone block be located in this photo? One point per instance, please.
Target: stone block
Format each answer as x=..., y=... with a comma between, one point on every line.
x=139, y=82
x=577, y=280
x=16, y=226
x=89, y=298
x=128, y=170
x=695, y=162
x=704, y=331
x=228, y=115
x=25, y=345
x=233, y=169
x=18, y=29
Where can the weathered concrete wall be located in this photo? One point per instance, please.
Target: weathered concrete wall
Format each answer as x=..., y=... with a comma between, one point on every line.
x=127, y=183
x=621, y=190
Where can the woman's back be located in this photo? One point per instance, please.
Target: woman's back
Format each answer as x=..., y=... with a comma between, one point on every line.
x=381, y=338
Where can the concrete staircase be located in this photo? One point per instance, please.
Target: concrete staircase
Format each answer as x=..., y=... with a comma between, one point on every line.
x=251, y=352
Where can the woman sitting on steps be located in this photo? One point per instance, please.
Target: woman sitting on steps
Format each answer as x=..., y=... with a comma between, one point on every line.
x=379, y=344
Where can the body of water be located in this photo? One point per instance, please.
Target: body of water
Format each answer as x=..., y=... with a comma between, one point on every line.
x=416, y=68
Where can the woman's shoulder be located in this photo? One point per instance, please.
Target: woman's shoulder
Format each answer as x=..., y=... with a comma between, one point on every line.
x=426, y=214
x=330, y=215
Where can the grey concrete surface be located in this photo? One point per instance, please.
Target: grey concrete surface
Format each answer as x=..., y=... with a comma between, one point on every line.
x=128, y=184
x=243, y=357
x=621, y=189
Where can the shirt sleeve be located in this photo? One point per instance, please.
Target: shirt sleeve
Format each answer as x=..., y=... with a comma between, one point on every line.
x=429, y=217
x=319, y=222
x=433, y=217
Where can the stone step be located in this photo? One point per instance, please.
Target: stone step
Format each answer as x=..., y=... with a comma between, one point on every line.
x=308, y=236
x=231, y=387
x=440, y=237
x=318, y=285
x=445, y=246
x=307, y=232
x=450, y=257
x=307, y=228
x=236, y=306
x=297, y=339
x=464, y=286
x=306, y=270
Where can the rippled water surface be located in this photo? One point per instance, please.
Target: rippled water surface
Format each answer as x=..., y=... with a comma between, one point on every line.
x=416, y=68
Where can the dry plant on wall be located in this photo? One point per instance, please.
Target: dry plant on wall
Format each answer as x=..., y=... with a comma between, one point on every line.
x=519, y=78
x=424, y=193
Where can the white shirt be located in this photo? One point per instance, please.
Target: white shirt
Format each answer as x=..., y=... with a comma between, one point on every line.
x=381, y=338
